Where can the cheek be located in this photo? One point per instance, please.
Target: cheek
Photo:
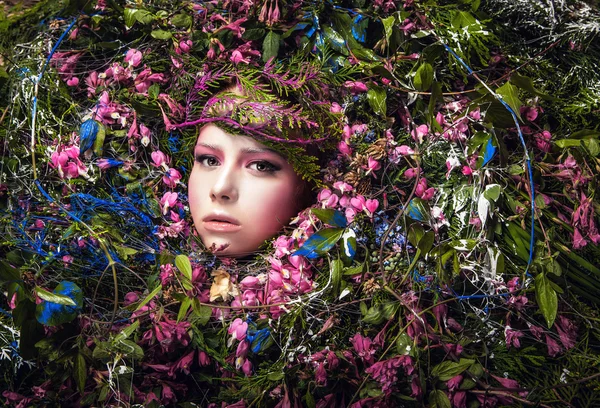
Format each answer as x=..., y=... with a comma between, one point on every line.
x=195, y=193
x=273, y=204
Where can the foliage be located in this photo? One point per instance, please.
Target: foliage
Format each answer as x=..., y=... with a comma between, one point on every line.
x=432, y=131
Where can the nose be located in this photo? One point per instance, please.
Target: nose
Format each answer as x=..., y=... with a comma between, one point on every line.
x=225, y=187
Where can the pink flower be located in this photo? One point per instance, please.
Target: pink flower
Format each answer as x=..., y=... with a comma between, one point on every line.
x=407, y=26
x=159, y=158
x=419, y=133
x=73, y=81
x=363, y=347
x=386, y=372
x=553, y=347
x=372, y=166
x=167, y=201
x=342, y=186
x=404, y=150
x=508, y=383
x=371, y=207
x=344, y=148
x=184, y=363
x=321, y=375
x=529, y=112
x=237, y=329
x=237, y=57
x=467, y=171
x=171, y=178
x=567, y=332
x=454, y=382
x=145, y=79
x=186, y=45
x=335, y=108
x=411, y=173
x=133, y=57
x=512, y=337
x=542, y=140
x=356, y=87
x=358, y=202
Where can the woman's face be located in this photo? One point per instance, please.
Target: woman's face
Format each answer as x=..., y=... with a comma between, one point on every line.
x=240, y=192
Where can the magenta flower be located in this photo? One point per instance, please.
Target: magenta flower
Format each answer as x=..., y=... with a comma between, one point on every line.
x=363, y=347
x=168, y=200
x=171, y=178
x=419, y=133
x=344, y=148
x=411, y=173
x=159, y=158
x=237, y=329
x=386, y=372
x=335, y=108
x=371, y=207
x=372, y=166
x=133, y=57
x=356, y=87
x=145, y=79
x=342, y=186
x=553, y=347
x=512, y=337
x=567, y=332
x=542, y=140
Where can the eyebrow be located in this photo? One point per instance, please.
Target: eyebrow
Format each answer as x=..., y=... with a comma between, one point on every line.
x=245, y=150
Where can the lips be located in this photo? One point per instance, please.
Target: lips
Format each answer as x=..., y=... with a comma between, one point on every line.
x=220, y=217
x=219, y=222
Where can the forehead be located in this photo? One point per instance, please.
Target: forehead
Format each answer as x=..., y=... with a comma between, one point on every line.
x=213, y=136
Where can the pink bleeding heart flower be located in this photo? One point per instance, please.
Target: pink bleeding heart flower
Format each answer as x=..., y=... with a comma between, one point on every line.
x=342, y=186
x=171, y=177
x=344, y=148
x=133, y=57
x=356, y=87
x=168, y=200
x=358, y=202
x=159, y=158
x=237, y=330
x=73, y=81
x=335, y=108
x=372, y=166
x=419, y=133
x=371, y=207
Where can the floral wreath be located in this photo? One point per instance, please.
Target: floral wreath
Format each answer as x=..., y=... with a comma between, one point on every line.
x=420, y=259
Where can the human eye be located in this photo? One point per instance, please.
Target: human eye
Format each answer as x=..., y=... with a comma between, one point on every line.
x=207, y=160
x=263, y=166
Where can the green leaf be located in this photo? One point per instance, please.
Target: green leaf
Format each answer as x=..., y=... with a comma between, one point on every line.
x=510, y=95
x=330, y=216
x=144, y=16
x=449, y=369
x=80, y=373
x=562, y=143
x=377, y=100
x=202, y=312
x=183, y=309
x=253, y=34
x=492, y=192
x=320, y=242
x=182, y=20
x=54, y=297
x=128, y=331
x=99, y=142
x=336, y=275
x=8, y=273
x=355, y=270
x=148, y=298
x=335, y=40
x=161, y=34
x=153, y=91
x=585, y=134
x=374, y=315
x=439, y=399
x=426, y=242
x=592, y=146
x=185, y=267
x=388, y=26
x=130, y=17
x=526, y=84
x=275, y=376
x=424, y=77
x=270, y=46
x=547, y=298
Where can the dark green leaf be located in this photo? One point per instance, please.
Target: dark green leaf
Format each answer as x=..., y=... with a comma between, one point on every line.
x=562, y=143
x=54, y=297
x=510, y=95
x=144, y=16
x=526, y=84
x=426, y=242
x=8, y=273
x=128, y=331
x=424, y=77
x=547, y=298
x=130, y=17
x=181, y=20
x=449, y=369
x=253, y=34
x=377, y=100
x=439, y=399
x=585, y=134
x=161, y=34
x=336, y=275
x=80, y=373
x=270, y=46
x=148, y=298
x=335, y=40
x=331, y=217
